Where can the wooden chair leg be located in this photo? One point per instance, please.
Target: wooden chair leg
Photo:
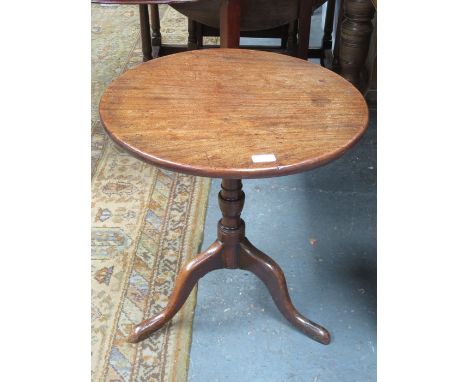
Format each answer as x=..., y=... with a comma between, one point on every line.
x=292, y=38
x=285, y=36
x=199, y=35
x=192, y=34
x=193, y=271
x=336, y=46
x=155, y=25
x=327, y=40
x=195, y=35
x=305, y=15
x=265, y=268
x=145, y=32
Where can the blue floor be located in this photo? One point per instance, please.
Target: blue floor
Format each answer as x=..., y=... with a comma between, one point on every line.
x=320, y=227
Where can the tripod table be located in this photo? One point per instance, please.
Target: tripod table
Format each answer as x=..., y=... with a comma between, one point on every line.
x=233, y=114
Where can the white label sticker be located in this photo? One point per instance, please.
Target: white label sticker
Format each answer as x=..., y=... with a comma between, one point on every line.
x=261, y=158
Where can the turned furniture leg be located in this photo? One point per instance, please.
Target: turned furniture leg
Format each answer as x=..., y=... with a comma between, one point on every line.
x=327, y=39
x=304, y=20
x=356, y=30
x=266, y=269
x=188, y=277
x=292, y=38
x=192, y=34
x=145, y=33
x=284, y=36
x=195, y=35
x=156, y=40
x=336, y=46
x=155, y=25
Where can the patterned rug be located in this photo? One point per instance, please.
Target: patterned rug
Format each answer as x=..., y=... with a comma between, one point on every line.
x=146, y=223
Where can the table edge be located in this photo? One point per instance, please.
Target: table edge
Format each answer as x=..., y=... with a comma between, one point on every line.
x=235, y=173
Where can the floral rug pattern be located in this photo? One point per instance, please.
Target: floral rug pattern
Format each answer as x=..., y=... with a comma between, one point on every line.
x=146, y=223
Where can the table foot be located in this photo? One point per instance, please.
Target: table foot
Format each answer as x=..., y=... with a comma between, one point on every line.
x=267, y=270
x=198, y=267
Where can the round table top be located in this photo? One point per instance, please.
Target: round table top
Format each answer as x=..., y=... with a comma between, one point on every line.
x=233, y=113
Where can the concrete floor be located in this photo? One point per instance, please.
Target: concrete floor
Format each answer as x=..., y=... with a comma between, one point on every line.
x=320, y=226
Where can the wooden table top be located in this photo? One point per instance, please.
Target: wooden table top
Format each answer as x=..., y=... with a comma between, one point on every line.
x=233, y=113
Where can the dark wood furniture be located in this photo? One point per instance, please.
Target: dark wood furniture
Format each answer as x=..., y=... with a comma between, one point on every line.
x=146, y=46
x=148, y=39
x=355, y=28
x=233, y=114
x=258, y=18
x=286, y=19
x=150, y=30
x=354, y=33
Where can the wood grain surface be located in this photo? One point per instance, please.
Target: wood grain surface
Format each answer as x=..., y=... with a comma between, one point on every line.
x=208, y=112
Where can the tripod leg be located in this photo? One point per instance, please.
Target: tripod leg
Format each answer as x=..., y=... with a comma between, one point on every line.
x=198, y=267
x=270, y=273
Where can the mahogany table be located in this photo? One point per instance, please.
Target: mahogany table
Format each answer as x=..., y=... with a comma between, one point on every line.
x=233, y=114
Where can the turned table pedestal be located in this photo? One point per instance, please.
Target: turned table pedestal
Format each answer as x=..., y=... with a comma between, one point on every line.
x=233, y=114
